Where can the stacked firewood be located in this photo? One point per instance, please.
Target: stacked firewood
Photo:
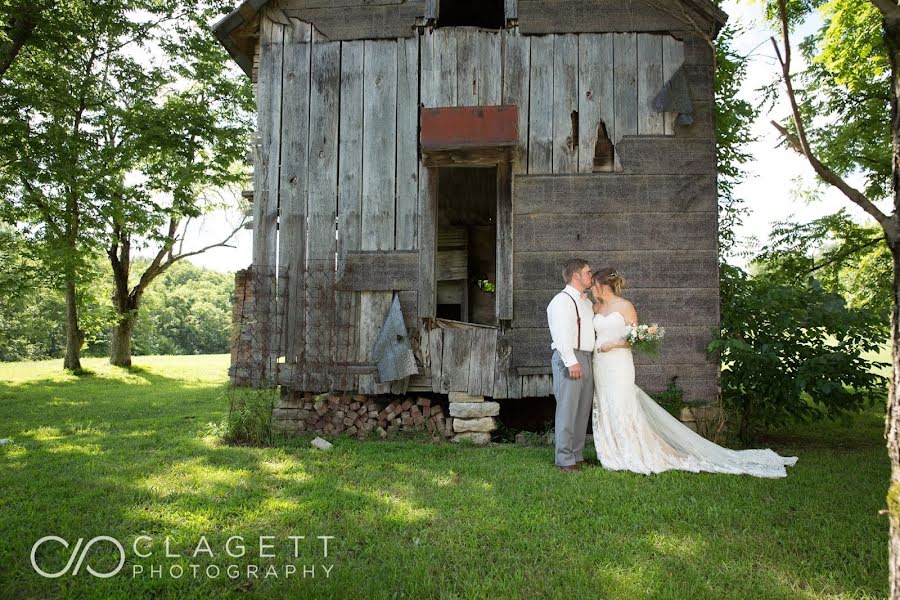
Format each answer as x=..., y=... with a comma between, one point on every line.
x=334, y=414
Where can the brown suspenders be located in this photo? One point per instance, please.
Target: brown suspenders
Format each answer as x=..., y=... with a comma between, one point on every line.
x=578, y=315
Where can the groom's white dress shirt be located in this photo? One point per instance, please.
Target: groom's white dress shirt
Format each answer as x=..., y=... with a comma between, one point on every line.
x=563, y=323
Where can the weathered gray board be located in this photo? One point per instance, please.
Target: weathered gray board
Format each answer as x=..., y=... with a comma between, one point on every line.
x=562, y=16
x=379, y=186
x=363, y=159
x=349, y=202
x=294, y=182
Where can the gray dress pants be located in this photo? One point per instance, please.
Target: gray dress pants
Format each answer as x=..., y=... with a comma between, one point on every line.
x=574, y=398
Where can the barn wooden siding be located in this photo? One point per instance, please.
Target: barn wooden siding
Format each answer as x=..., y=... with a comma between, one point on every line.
x=338, y=144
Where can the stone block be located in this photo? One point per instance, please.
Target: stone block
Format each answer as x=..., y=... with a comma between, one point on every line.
x=474, y=410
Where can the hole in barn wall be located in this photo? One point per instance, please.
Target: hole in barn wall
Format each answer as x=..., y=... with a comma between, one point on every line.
x=487, y=14
x=604, y=151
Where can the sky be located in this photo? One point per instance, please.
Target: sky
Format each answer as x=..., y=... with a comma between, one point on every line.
x=768, y=191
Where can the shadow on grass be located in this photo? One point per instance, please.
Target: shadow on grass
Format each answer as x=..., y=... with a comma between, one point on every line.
x=421, y=520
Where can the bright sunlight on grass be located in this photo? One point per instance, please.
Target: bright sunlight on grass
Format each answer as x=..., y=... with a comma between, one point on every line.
x=128, y=454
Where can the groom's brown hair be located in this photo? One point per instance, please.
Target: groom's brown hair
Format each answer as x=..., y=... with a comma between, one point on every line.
x=572, y=266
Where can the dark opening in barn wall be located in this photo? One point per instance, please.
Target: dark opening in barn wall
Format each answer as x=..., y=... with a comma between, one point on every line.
x=487, y=14
x=467, y=245
x=604, y=151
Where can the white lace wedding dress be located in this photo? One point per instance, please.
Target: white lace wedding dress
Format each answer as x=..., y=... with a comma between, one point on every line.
x=634, y=433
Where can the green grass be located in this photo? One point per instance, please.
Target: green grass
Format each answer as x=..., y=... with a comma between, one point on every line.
x=125, y=454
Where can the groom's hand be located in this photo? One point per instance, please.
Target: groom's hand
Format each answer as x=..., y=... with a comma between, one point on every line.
x=575, y=371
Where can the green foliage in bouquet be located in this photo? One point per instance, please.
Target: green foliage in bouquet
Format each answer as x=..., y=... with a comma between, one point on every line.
x=646, y=338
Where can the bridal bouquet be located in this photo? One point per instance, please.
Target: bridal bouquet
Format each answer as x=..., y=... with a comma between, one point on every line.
x=645, y=338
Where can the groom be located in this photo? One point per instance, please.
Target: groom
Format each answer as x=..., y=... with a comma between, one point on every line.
x=570, y=318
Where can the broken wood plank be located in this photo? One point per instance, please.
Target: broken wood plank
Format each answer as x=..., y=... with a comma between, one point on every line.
x=565, y=104
x=595, y=95
x=673, y=59
x=650, y=83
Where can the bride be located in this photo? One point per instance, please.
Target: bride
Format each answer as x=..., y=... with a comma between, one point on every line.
x=631, y=431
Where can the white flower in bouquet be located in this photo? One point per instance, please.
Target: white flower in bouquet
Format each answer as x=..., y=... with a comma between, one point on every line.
x=645, y=338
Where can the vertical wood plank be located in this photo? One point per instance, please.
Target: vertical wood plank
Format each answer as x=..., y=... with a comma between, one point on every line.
x=650, y=82
x=489, y=353
x=407, y=142
x=625, y=55
x=595, y=95
x=504, y=291
x=427, y=217
x=673, y=59
x=266, y=172
x=445, y=49
x=321, y=208
x=429, y=70
x=432, y=8
x=349, y=200
x=490, y=63
x=540, y=120
x=428, y=210
x=266, y=343
x=511, y=8
x=436, y=352
x=467, y=68
x=379, y=185
x=502, y=372
x=516, y=78
x=565, y=104
x=293, y=185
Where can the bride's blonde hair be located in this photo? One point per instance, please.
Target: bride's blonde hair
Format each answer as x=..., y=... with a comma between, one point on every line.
x=610, y=277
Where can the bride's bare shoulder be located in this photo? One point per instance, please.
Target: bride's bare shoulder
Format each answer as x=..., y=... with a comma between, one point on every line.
x=628, y=311
x=596, y=307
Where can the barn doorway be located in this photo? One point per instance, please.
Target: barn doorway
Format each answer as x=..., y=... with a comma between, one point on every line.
x=466, y=262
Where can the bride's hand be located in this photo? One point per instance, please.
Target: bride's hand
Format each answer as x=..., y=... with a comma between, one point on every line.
x=606, y=347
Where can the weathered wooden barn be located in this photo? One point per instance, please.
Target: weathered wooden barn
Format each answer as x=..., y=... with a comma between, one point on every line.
x=456, y=153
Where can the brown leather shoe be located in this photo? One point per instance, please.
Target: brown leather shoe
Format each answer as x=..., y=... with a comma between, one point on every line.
x=568, y=468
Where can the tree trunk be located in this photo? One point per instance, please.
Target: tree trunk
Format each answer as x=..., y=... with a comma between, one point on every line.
x=892, y=235
x=74, y=335
x=892, y=432
x=120, y=344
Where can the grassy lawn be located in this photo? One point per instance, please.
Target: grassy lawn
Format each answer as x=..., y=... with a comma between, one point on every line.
x=127, y=454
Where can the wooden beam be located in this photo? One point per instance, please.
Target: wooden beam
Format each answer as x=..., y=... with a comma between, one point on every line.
x=379, y=270
x=504, y=289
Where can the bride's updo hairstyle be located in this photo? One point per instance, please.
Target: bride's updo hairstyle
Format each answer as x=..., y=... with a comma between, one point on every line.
x=611, y=278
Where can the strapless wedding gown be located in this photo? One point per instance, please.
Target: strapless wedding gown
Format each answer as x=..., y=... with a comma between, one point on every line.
x=634, y=433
